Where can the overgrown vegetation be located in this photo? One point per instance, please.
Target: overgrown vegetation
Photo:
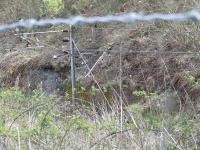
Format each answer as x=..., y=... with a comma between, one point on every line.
x=39, y=122
x=160, y=92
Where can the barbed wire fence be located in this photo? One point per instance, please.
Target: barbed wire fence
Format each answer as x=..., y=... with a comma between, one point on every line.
x=79, y=20
x=74, y=49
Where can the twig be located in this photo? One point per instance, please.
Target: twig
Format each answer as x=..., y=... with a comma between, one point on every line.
x=120, y=86
x=19, y=139
x=100, y=59
x=195, y=141
x=22, y=113
x=33, y=33
x=97, y=83
x=109, y=135
x=173, y=139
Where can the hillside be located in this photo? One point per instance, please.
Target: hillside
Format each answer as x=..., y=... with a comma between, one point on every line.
x=138, y=85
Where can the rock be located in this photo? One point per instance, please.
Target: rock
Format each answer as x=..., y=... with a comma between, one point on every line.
x=169, y=101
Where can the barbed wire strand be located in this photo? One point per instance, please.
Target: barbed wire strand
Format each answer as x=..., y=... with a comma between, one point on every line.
x=131, y=17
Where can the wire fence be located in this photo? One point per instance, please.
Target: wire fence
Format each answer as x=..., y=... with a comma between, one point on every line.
x=142, y=67
x=103, y=52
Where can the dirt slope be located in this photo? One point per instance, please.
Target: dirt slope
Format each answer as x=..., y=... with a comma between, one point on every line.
x=155, y=56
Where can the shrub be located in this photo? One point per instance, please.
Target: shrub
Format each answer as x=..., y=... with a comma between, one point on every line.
x=53, y=7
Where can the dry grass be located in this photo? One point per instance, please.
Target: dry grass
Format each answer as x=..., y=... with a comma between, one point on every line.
x=143, y=80
x=48, y=123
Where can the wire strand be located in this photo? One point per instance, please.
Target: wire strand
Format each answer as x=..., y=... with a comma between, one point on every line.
x=131, y=17
x=33, y=33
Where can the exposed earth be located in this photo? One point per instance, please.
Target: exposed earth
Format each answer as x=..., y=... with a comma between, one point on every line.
x=149, y=57
x=146, y=64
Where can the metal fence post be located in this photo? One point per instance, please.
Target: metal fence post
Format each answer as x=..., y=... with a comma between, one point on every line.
x=73, y=75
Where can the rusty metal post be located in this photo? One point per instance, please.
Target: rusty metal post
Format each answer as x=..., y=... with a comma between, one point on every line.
x=73, y=75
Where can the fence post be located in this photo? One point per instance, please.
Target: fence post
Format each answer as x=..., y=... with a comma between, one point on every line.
x=73, y=75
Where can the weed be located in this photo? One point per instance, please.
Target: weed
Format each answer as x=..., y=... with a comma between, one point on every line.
x=37, y=118
x=53, y=7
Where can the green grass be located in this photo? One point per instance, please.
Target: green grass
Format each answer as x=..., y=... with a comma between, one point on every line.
x=53, y=7
x=44, y=122
x=49, y=122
